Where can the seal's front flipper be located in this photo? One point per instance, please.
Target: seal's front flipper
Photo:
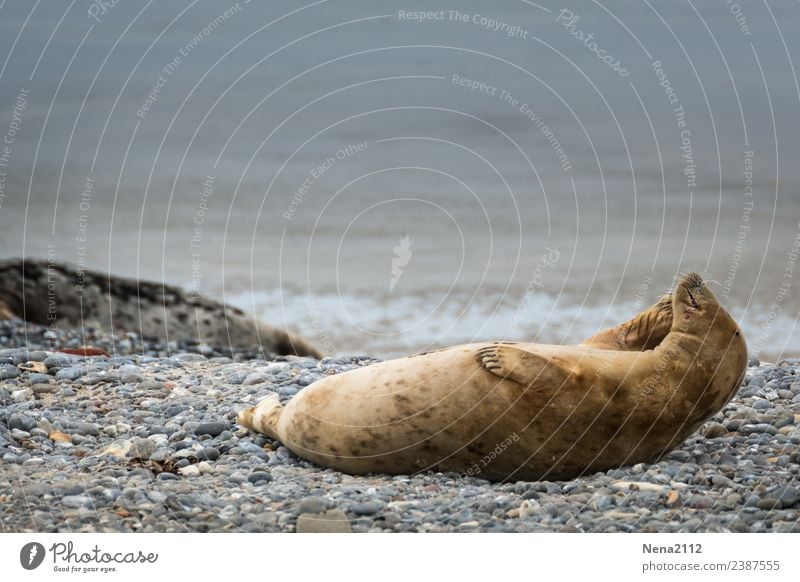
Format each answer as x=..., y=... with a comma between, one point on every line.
x=644, y=332
x=508, y=361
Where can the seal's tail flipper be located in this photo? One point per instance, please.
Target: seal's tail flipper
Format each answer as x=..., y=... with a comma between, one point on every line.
x=263, y=417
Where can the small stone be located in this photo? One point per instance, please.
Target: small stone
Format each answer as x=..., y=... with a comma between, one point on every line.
x=76, y=501
x=141, y=449
x=150, y=385
x=34, y=378
x=70, y=374
x=636, y=486
x=8, y=371
x=762, y=405
x=255, y=378
x=367, y=508
x=57, y=361
x=713, y=430
x=768, y=503
x=189, y=471
x=332, y=521
x=721, y=481
x=84, y=428
x=60, y=437
x=208, y=453
x=783, y=420
x=787, y=496
x=116, y=449
x=43, y=388
x=673, y=499
x=258, y=476
x=211, y=428
x=21, y=422
x=22, y=395
x=205, y=467
x=747, y=429
x=34, y=490
x=700, y=502
x=189, y=357
x=19, y=435
x=312, y=505
x=131, y=378
x=528, y=508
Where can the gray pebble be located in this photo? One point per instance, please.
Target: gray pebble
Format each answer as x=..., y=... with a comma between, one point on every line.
x=367, y=508
x=312, y=505
x=255, y=378
x=211, y=428
x=259, y=476
x=714, y=429
x=151, y=385
x=131, y=378
x=757, y=428
x=141, y=449
x=57, y=361
x=8, y=371
x=36, y=378
x=76, y=501
x=186, y=358
x=21, y=422
x=70, y=374
x=208, y=454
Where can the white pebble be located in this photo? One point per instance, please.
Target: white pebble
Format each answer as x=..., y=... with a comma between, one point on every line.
x=190, y=471
x=22, y=395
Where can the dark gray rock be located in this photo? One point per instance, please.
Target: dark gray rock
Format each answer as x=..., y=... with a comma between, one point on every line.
x=21, y=422
x=211, y=428
x=8, y=371
x=367, y=507
x=259, y=476
x=747, y=429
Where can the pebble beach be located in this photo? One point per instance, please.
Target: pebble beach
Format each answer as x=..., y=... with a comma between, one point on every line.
x=146, y=440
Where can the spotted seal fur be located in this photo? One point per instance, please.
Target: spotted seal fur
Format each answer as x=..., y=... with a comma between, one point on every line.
x=534, y=411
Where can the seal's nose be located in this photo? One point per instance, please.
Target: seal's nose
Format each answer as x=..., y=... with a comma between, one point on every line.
x=692, y=279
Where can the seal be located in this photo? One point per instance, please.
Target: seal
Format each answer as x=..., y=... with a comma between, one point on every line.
x=50, y=293
x=521, y=411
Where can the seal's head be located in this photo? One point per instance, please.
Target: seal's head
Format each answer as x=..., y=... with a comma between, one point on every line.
x=698, y=313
